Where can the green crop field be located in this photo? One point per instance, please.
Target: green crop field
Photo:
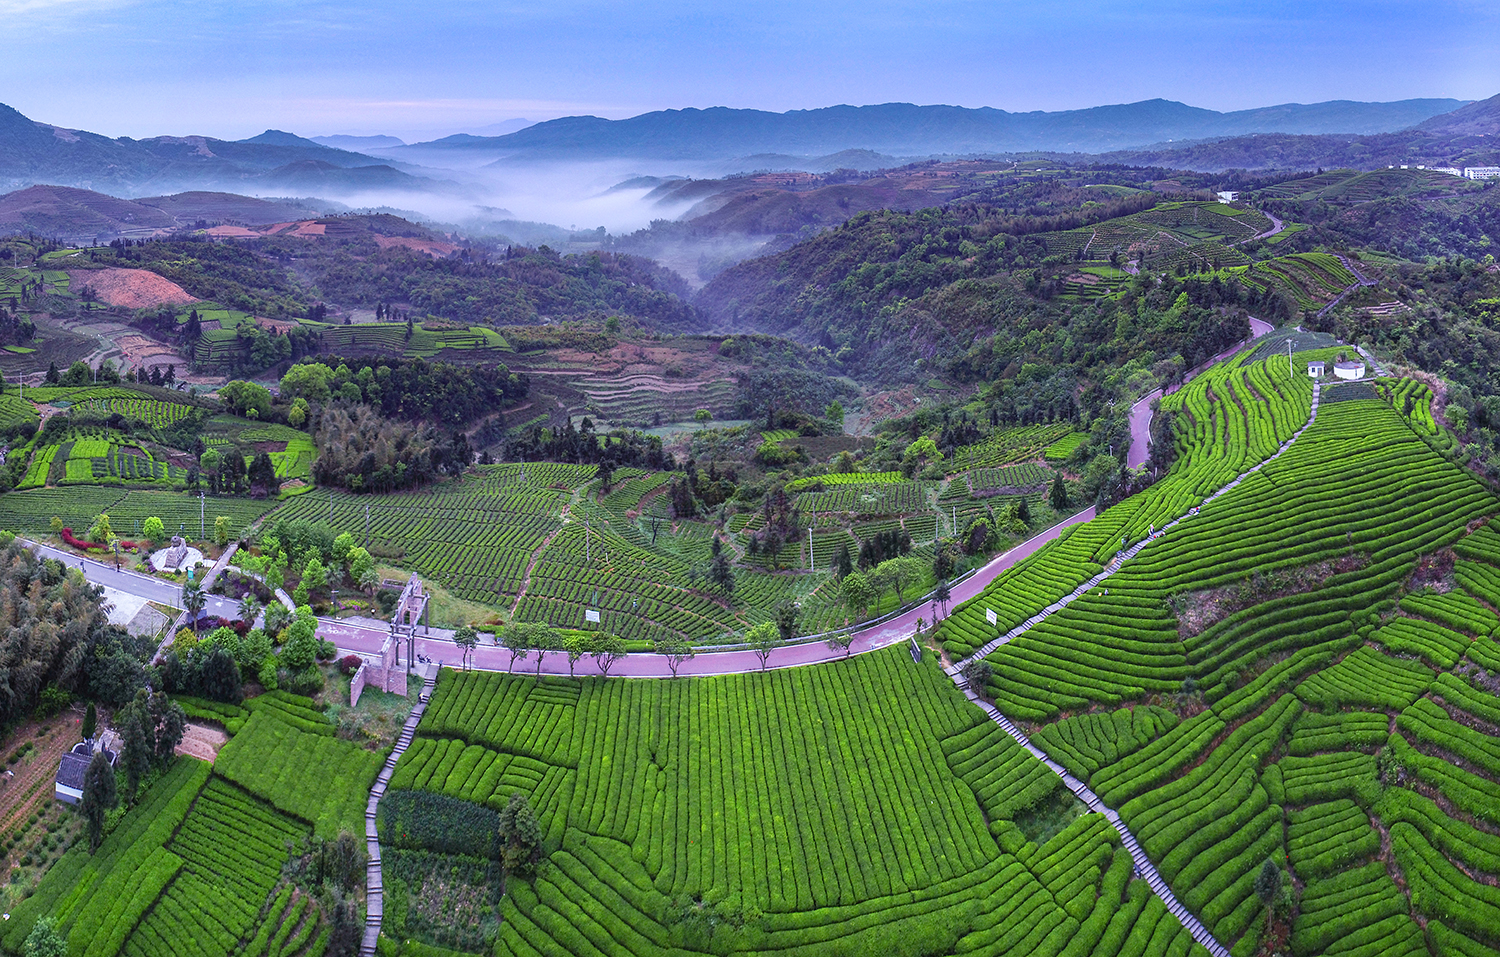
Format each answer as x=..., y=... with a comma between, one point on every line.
x=1226, y=743
x=196, y=868
x=782, y=817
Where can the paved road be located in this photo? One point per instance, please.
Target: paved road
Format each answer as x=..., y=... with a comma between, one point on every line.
x=134, y=583
x=366, y=637
x=363, y=637
x=1140, y=413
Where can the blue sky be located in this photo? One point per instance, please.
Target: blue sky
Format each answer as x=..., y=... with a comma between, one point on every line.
x=231, y=69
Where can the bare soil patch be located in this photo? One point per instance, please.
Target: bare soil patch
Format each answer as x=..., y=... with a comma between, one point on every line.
x=131, y=288
x=202, y=741
x=1196, y=611
x=432, y=247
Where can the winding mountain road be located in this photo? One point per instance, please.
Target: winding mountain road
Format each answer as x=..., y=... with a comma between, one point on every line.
x=1140, y=413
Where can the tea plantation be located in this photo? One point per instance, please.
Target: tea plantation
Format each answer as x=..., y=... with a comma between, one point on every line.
x=851, y=808
x=197, y=866
x=1302, y=673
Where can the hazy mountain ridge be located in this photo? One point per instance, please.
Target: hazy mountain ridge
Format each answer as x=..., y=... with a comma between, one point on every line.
x=906, y=129
x=35, y=152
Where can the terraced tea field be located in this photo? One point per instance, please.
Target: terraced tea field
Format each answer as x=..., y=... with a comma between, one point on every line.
x=1308, y=719
x=196, y=867
x=782, y=817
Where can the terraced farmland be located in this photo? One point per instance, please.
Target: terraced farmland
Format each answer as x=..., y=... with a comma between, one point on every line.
x=1296, y=726
x=799, y=822
x=196, y=868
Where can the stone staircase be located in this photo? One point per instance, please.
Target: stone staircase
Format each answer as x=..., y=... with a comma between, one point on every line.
x=374, y=886
x=1143, y=865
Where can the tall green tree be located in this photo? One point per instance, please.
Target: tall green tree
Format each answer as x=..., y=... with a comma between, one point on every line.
x=576, y=645
x=606, y=649
x=764, y=639
x=786, y=615
x=1058, y=497
x=99, y=797
x=520, y=837
x=676, y=650
x=44, y=939
x=467, y=639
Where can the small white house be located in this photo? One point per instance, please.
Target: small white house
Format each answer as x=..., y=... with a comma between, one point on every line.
x=1349, y=370
x=1316, y=369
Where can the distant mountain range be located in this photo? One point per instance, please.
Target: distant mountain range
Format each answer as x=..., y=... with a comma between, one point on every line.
x=901, y=129
x=273, y=162
x=81, y=214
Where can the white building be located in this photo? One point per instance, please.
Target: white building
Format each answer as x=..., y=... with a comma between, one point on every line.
x=1349, y=370
x=1228, y=195
x=1316, y=369
x=1450, y=170
x=1482, y=172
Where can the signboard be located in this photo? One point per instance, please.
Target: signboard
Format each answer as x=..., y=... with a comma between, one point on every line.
x=990, y=616
x=591, y=615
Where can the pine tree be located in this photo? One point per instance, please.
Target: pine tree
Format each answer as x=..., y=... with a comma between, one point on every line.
x=99, y=797
x=1058, y=497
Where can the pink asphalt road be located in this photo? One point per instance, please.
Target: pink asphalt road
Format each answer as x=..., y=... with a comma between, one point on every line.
x=1140, y=413
x=363, y=639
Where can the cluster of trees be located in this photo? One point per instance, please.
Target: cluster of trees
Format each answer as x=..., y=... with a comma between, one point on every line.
x=403, y=388
x=513, y=285
x=1453, y=329
x=262, y=347
x=694, y=488
x=363, y=452
x=217, y=665
x=15, y=328
x=891, y=543
x=228, y=473
x=315, y=557
x=60, y=642
x=585, y=446
x=782, y=524
x=863, y=588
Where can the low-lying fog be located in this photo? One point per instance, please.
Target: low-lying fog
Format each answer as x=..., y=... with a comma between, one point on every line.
x=569, y=206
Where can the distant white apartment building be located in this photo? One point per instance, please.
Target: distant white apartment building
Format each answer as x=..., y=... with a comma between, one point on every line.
x=1482, y=172
x=1228, y=195
x=1450, y=170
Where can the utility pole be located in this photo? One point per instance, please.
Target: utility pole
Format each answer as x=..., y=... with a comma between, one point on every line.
x=587, y=551
x=202, y=520
x=812, y=561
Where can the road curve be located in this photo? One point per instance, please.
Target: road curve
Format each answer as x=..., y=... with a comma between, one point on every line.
x=366, y=638
x=361, y=638
x=1140, y=413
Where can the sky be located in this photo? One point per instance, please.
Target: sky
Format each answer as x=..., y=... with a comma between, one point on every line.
x=232, y=68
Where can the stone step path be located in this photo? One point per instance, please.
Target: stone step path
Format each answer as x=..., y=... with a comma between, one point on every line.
x=1129, y=553
x=1143, y=863
x=1375, y=365
x=374, y=886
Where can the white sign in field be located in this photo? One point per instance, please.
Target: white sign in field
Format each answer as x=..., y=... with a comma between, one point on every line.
x=591, y=615
x=990, y=616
